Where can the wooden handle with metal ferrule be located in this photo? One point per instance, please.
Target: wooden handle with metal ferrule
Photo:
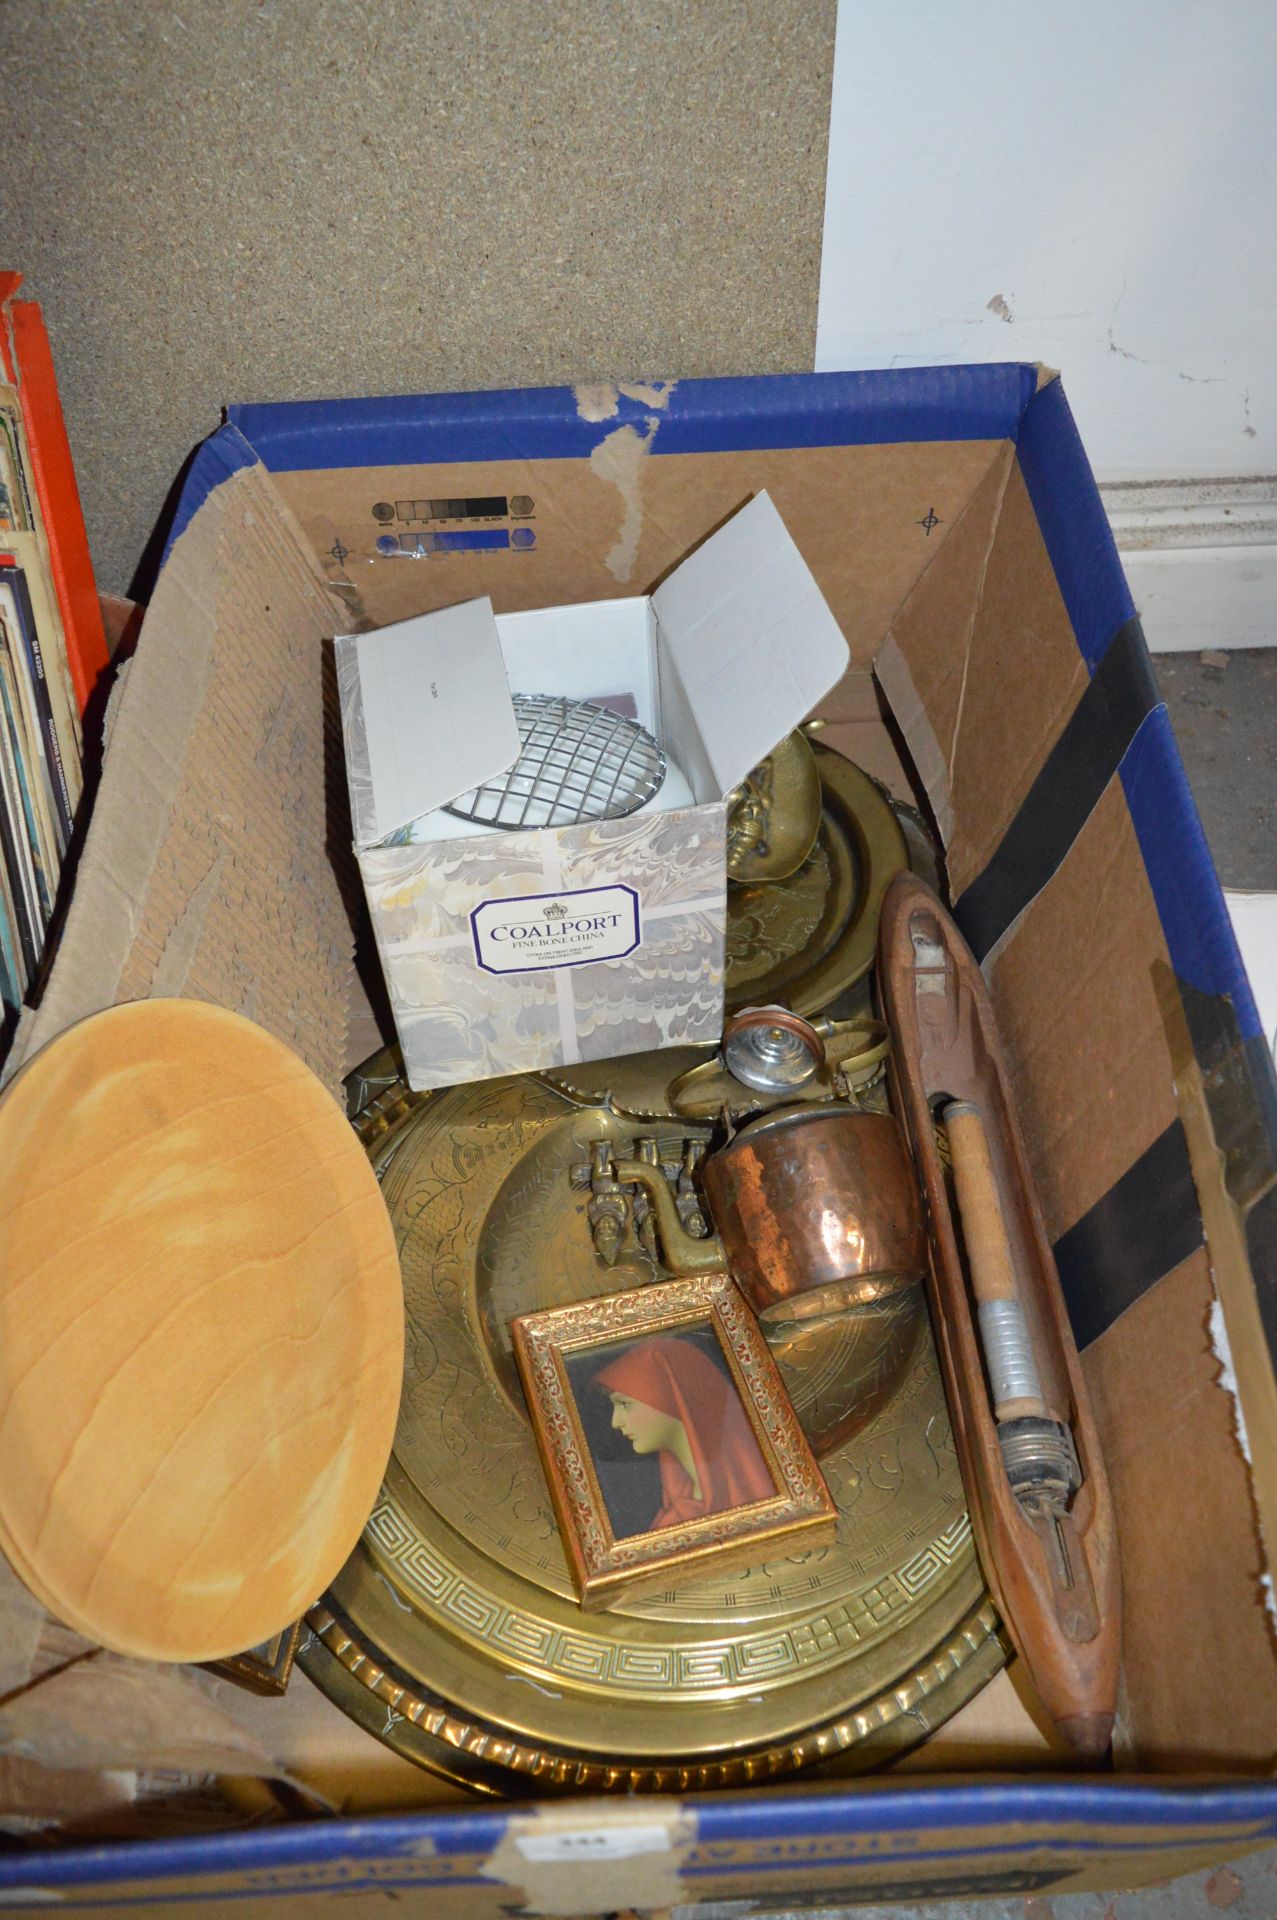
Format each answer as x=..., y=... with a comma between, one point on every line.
x=990, y=1261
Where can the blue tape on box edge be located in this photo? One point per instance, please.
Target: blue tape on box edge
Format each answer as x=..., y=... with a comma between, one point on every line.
x=221, y=455
x=696, y=416
x=1083, y=554
x=1235, y=1812
x=693, y=416
x=1074, y=525
x=1190, y=902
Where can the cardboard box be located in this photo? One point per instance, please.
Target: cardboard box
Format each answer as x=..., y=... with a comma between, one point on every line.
x=511, y=951
x=952, y=524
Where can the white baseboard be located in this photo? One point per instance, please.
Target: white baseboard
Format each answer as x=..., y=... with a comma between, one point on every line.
x=1201, y=558
x=1254, y=917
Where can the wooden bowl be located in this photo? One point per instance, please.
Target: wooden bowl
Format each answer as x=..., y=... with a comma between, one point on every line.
x=201, y=1331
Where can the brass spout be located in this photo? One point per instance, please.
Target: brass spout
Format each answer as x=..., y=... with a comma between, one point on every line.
x=684, y=1253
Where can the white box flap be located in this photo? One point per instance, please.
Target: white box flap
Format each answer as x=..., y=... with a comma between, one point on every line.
x=753, y=640
x=426, y=715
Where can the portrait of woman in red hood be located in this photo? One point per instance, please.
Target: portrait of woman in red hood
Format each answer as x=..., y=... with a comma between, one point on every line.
x=670, y=1447
x=669, y=1398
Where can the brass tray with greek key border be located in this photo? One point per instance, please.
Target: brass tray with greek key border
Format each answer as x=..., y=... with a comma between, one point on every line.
x=453, y=1634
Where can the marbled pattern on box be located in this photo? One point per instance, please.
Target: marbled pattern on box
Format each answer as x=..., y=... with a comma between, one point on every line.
x=458, y=1021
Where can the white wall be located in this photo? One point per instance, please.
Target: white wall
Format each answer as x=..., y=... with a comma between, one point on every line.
x=1090, y=185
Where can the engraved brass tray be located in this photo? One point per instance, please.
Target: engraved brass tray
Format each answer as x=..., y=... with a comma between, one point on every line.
x=452, y=1632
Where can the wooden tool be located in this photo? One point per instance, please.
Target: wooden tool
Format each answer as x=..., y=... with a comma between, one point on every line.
x=1036, y=1487
x=201, y=1331
x=1014, y=1385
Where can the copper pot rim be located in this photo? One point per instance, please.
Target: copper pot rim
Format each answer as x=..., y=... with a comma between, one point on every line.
x=837, y=1297
x=804, y=1112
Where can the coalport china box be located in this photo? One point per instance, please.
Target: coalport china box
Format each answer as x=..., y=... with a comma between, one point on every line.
x=544, y=945
x=952, y=524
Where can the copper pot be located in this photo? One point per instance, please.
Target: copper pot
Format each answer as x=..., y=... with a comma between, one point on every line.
x=818, y=1210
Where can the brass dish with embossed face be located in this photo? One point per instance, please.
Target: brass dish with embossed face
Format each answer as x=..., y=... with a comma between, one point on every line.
x=802, y=942
x=453, y=1632
x=773, y=817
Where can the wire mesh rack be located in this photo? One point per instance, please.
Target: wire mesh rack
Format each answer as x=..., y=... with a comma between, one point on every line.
x=577, y=761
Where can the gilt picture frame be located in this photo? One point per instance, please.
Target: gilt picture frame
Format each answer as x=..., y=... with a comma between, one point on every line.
x=670, y=1446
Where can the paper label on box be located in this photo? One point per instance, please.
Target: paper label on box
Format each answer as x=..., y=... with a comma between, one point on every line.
x=534, y=931
x=613, y=1843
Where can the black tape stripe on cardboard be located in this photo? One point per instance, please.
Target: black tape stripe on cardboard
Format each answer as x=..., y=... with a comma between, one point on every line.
x=1150, y=1220
x=1140, y=1230
x=1065, y=793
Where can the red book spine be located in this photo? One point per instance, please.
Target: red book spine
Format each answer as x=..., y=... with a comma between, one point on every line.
x=9, y=284
x=29, y=366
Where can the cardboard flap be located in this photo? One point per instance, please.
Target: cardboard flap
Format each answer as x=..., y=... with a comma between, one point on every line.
x=213, y=867
x=751, y=636
x=426, y=715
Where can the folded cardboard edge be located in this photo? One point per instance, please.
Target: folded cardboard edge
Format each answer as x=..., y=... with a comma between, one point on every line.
x=273, y=750
x=133, y=926
x=224, y=453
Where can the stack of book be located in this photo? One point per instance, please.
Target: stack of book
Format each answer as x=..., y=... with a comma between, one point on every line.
x=52, y=648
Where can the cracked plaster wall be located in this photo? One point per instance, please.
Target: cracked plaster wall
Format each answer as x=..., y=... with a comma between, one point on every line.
x=1088, y=186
